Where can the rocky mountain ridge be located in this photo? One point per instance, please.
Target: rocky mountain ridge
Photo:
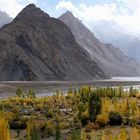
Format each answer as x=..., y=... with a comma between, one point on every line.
x=111, y=32
x=113, y=61
x=35, y=46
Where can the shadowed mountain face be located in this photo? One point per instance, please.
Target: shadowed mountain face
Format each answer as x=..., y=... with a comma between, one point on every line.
x=4, y=18
x=111, y=32
x=37, y=47
x=109, y=58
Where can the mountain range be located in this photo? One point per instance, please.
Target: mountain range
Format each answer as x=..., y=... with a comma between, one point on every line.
x=35, y=46
x=110, y=59
x=111, y=32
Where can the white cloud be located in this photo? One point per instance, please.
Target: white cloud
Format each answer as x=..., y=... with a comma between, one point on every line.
x=126, y=14
x=13, y=7
x=89, y=14
x=132, y=4
x=32, y=1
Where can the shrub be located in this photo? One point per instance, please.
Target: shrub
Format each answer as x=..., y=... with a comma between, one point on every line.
x=9, y=116
x=17, y=125
x=102, y=119
x=50, y=128
x=85, y=118
x=89, y=127
x=133, y=121
x=49, y=114
x=138, y=95
x=115, y=118
x=64, y=125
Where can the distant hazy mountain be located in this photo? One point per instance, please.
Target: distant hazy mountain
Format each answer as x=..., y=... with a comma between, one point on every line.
x=113, y=61
x=111, y=32
x=4, y=18
x=35, y=46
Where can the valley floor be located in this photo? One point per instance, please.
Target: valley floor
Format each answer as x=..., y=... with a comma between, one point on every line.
x=46, y=88
x=83, y=113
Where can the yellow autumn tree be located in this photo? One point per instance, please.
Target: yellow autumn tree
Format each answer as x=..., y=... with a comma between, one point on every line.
x=124, y=107
x=134, y=135
x=110, y=136
x=105, y=105
x=136, y=114
x=103, y=138
x=4, y=128
x=83, y=135
x=28, y=131
x=116, y=106
x=123, y=135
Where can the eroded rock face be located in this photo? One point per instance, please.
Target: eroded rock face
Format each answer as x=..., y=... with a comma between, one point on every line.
x=110, y=59
x=37, y=47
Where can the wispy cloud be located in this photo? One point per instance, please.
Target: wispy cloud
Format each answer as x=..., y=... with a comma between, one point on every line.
x=13, y=7
x=125, y=12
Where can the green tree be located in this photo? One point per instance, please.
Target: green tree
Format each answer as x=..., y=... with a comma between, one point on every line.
x=31, y=94
x=120, y=91
x=35, y=133
x=75, y=135
x=70, y=91
x=94, y=106
x=20, y=92
x=131, y=91
x=58, y=132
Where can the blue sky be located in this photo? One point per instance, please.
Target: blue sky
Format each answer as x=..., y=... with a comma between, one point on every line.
x=49, y=5
x=124, y=12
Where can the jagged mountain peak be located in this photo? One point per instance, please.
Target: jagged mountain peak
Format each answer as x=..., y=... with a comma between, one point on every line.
x=30, y=6
x=31, y=12
x=70, y=16
x=69, y=13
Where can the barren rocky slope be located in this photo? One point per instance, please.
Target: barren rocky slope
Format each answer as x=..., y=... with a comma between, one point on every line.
x=35, y=46
x=113, y=61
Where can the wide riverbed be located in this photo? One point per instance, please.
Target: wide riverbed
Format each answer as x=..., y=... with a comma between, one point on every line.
x=47, y=88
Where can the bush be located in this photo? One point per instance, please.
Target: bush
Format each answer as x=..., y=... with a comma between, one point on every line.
x=50, y=128
x=115, y=118
x=17, y=125
x=133, y=121
x=89, y=127
x=49, y=114
x=102, y=119
x=85, y=118
x=64, y=125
